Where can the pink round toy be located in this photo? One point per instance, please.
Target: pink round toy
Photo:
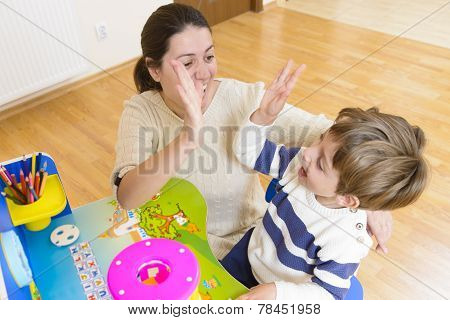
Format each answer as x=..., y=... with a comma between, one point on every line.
x=157, y=269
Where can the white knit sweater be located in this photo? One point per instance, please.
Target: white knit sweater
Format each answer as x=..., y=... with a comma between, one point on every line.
x=232, y=192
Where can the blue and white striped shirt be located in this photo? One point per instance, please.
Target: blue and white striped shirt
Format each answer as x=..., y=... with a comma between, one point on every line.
x=309, y=251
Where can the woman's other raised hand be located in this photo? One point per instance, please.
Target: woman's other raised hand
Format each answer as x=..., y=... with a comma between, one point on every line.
x=276, y=94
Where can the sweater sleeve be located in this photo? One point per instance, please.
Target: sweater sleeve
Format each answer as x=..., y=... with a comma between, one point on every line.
x=296, y=127
x=256, y=152
x=135, y=141
x=304, y=291
x=293, y=126
x=331, y=280
x=335, y=266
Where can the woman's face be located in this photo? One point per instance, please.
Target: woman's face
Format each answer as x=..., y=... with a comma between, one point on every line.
x=194, y=49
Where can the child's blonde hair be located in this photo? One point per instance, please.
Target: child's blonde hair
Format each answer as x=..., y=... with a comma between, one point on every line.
x=380, y=158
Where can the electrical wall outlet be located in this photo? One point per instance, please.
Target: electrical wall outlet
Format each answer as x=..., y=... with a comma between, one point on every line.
x=101, y=30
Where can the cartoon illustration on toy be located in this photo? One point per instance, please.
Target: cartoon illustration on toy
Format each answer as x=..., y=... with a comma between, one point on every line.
x=123, y=222
x=150, y=221
x=158, y=225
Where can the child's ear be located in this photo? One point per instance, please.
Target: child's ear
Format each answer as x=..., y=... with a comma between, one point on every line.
x=154, y=71
x=348, y=201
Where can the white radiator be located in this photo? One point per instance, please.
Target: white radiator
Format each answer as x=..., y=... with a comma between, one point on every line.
x=39, y=42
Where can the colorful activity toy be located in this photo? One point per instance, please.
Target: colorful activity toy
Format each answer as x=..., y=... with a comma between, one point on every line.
x=48, y=251
x=156, y=269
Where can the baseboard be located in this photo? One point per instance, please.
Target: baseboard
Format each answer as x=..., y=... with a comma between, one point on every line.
x=56, y=91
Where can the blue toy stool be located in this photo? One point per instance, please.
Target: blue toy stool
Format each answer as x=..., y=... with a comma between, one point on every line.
x=355, y=292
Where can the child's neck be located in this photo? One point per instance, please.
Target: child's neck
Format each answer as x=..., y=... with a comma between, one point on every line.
x=329, y=202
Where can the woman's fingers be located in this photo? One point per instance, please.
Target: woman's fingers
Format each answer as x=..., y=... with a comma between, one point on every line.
x=284, y=73
x=379, y=223
x=290, y=83
x=286, y=80
x=191, y=93
x=285, y=90
x=180, y=71
x=183, y=95
x=275, y=80
x=182, y=74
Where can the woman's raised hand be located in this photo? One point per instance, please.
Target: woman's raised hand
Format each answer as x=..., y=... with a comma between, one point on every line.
x=277, y=93
x=190, y=96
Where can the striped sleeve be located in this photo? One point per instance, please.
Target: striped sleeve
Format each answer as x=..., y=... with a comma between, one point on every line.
x=331, y=280
x=255, y=151
x=337, y=264
x=334, y=277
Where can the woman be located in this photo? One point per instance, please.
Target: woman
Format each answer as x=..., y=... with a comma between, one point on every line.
x=161, y=128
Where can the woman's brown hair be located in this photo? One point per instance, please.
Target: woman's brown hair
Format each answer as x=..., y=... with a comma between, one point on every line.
x=165, y=22
x=380, y=158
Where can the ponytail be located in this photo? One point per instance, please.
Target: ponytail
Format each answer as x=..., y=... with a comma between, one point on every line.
x=143, y=79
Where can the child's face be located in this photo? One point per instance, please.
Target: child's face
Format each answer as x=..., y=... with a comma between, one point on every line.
x=317, y=173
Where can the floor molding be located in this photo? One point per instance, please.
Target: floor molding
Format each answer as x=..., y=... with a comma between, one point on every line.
x=56, y=91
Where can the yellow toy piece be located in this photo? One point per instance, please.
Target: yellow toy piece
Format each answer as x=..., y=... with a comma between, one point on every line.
x=37, y=215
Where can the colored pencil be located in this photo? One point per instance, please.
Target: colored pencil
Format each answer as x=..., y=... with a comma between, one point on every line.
x=30, y=178
x=16, y=188
x=37, y=183
x=44, y=167
x=13, y=179
x=30, y=196
x=44, y=180
x=42, y=171
x=6, y=172
x=16, y=183
x=4, y=176
x=24, y=165
x=10, y=186
x=38, y=163
x=5, y=195
x=22, y=182
x=33, y=165
x=19, y=192
x=16, y=193
x=33, y=192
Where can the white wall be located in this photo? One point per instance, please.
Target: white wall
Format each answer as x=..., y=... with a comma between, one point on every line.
x=124, y=19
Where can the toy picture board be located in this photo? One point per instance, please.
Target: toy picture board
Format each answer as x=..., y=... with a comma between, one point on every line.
x=79, y=271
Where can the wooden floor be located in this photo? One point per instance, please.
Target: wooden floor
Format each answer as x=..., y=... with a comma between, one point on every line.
x=347, y=66
x=425, y=21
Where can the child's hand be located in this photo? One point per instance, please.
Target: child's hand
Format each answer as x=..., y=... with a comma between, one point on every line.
x=265, y=291
x=190, y=95
x=276, y=95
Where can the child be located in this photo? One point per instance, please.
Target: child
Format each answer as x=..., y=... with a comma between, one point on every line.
x=313, y=235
